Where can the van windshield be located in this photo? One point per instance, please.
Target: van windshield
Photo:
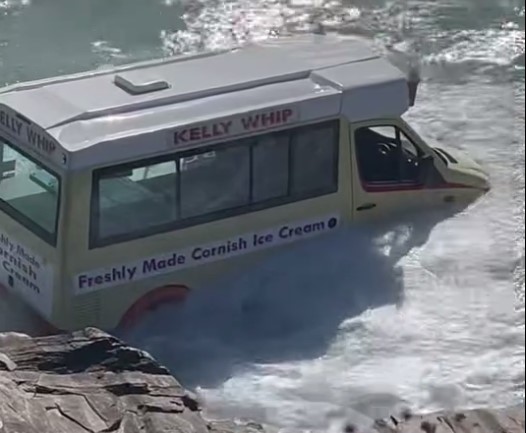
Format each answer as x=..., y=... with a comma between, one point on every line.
x=29, y=193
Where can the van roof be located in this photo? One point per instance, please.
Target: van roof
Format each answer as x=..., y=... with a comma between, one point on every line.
x=100, y=117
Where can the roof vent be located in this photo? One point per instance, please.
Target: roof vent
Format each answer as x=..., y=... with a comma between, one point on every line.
x=139, y=83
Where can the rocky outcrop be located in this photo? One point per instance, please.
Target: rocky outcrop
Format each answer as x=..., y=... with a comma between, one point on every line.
x=89, y=381
x=508, y=420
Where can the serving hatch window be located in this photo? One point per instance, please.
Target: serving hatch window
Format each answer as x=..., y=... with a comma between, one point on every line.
x=179, y=190
x=29, y=192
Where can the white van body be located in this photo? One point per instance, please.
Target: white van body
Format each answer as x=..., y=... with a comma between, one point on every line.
x=127, y=188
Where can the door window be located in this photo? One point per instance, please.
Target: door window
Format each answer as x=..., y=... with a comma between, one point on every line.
x=387, y=155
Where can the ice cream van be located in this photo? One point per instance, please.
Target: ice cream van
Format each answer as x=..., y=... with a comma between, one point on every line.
x=125, y=189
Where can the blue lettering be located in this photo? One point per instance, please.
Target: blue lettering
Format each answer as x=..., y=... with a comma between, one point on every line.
x=259, y=240
x=200, y=253
x=154, y=265
x=82, y=281
x=20, y=277
x=122, y=273
x=287, y=232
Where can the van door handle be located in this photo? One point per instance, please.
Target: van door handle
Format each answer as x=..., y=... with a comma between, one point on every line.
x=366, y=206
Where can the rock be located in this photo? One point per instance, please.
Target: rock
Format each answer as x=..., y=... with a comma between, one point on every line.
x=232, y=427
x=89, y=381
x=6, y=363
x=507, y=420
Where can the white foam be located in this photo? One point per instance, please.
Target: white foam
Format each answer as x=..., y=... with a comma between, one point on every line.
x=14, y=4
x=499, y=46
x=310, y=333
x=217, y=25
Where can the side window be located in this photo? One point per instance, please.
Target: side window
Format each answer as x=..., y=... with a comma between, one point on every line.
x=270, y=165
x=136, y=199
x=314, y=155
x=202, y=185
x=29, y=192
x=386, y=154
x=215, y=182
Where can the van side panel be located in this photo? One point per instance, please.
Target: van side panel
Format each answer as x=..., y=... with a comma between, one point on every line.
x=256, y=234
x=75, y=245
x=29, y=266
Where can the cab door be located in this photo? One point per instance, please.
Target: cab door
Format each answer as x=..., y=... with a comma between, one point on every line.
x=392, y=173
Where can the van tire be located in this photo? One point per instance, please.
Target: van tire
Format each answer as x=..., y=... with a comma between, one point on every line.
x=169, y=294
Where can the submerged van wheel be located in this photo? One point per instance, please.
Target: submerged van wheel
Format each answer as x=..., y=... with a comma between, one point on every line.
x=170, y=294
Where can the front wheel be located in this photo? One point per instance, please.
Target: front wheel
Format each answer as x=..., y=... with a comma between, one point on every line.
x=164, y=295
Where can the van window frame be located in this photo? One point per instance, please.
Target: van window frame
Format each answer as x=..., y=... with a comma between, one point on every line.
x=389, y=185
x=20, y=218
x=96, y=242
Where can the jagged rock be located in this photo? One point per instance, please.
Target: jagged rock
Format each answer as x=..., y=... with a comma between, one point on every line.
x=89, y=381
x=232, y=427
x=507, y=420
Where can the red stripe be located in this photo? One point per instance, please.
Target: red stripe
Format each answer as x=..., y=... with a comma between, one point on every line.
x=393, y=187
